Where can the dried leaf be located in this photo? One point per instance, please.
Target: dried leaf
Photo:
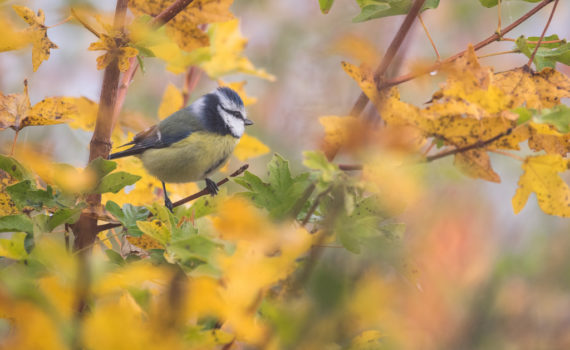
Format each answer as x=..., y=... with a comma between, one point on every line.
x=476, y=164
x=541, y=177
x=38, y=34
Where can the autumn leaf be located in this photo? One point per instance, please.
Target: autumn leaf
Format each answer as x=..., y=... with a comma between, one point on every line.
x=114, y=51
x=533, y=90
x=249, y=147
x=38, y=34
x=226, y=49
x=172, y=101
x=183, y=28
x=12, y=39
x=16, y=111
x=239, y=87
x=86, y=114
x=476, y=164
x=338, y=131
x=541, y=177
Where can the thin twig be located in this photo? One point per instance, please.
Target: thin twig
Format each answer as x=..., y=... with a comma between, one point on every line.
x=410, y=76
x=389, y=56
x=543, y=33
x=60, y=22
x=14, y=142
x=478, y=144
x=514, y=156
x=315, y=205
x=499, y=16
x=196, y=195
x=191, y=79
x=498, y=53
x=350, y=167
x=429, y=37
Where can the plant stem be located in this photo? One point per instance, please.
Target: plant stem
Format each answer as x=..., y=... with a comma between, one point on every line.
x=543, y=32
x=410, y=76
x=498, y=53
x=429, y=37
x=478, y=144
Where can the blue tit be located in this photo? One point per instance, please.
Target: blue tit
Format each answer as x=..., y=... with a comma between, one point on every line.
x=193, y=142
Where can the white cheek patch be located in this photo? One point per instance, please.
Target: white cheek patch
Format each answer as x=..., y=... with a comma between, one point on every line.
x=236, y=125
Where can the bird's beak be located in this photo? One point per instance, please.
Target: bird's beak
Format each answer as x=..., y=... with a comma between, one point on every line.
x=248, y=122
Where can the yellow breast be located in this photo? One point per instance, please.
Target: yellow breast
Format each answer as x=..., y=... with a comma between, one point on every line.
x=191, y=159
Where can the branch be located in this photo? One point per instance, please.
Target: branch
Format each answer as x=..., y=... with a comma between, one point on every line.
x=85, y=230
x=542, y=35
x=158, y=21
x=478, y=144
x=495, y=37
x=390, y=54
x=187, y=199
x=315, y=205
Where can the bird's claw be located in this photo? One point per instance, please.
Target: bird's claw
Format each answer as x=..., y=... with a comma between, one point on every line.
x=212, y=187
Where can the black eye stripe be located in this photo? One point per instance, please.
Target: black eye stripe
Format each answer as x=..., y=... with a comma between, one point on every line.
x=234, y=113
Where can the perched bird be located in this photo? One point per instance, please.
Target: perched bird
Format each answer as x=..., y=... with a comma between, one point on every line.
x=193, y=142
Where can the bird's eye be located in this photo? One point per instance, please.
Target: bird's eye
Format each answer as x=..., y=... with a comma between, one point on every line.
x=234, y=113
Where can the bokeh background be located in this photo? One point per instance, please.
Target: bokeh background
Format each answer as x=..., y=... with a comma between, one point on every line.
x=476, y=275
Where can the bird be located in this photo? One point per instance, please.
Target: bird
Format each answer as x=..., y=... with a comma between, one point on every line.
x=193, y=142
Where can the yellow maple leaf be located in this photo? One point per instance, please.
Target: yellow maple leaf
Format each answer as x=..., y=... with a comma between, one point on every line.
x=531, y=89
x=172, y=101
x=38, y=34
x=16, y=111
x=250, y=147
x=144, y=242
x=476, y=164
x=114, y=51
x=541, y=177
x=545, y=137
x=239, y=87
x=226, y=47
x=12, y=39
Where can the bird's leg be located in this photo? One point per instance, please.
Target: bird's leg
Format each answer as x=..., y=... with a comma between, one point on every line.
x=212, y=187
x=167, y=202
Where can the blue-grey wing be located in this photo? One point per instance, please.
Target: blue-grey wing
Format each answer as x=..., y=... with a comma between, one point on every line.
x=176, y=127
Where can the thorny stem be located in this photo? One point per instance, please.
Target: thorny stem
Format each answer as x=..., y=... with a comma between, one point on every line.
x=429, y=37
x=410, y=76
x=542, y=35
x=187, y=199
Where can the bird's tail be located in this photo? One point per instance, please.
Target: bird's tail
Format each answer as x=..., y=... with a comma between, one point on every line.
x=125, y=153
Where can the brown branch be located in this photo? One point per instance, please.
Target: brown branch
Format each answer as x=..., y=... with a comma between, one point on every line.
x=192, y=197
x=350, y=167
x=85, y=230
x=495, y=37
x=315, y=205
x=478, y=144
x=390, y=54
x=543, y=33
x=191, y=79
x=158, y=21
x=170, y=12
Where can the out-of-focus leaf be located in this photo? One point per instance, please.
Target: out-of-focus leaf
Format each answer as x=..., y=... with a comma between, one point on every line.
x=115, y=182
x=14, y=168
x=115, y=257
x=101, y=167
x=250, y=147
x=16, y=223
x=371, y=9
x=493, y=3
x=13, y=248
x=325, y=5
x=172, y=100
x=318, y=161
x=64, y=215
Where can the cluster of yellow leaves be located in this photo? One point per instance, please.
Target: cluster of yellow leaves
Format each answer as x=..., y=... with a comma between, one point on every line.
x=116, y=49
x=35, y=34
x=474, y=106
x=184, y=27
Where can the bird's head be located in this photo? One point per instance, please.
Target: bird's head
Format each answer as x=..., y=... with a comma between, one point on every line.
x=225, y=111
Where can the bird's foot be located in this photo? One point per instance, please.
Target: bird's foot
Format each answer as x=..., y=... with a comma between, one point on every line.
x=168, y=204
x=212, y=187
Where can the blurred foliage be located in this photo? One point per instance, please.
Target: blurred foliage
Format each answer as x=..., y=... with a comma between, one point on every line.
x=308, y=255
